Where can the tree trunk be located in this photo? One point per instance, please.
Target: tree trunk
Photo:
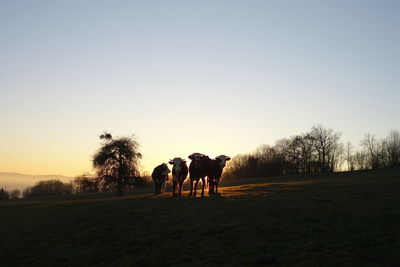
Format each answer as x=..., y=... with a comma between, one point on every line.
x=119, y=186
x=119, y=180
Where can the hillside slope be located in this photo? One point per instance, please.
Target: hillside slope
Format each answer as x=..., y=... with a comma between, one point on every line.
x=336, y=219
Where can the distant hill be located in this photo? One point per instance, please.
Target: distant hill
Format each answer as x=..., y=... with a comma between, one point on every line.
x=10, y=180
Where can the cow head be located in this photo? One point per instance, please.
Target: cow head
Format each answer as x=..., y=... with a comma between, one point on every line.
x=177, y=161
x=165, y=169
x=196, y=156
x=222, y=159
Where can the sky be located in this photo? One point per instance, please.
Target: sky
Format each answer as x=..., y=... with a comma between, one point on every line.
x=216, y=77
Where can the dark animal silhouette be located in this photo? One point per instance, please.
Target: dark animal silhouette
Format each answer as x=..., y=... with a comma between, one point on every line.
x=217, y=165
x=199, y=168
x=179, y=174
x=160, y=176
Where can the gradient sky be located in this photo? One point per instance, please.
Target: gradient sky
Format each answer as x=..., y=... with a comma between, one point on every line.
x=217, y=77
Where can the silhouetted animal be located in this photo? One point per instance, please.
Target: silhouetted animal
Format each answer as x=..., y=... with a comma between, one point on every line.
x=179, y=174
x=215, y=172
x=160, y=176
x=198, y=169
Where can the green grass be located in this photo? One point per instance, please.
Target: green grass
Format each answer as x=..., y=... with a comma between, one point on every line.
x=350, y=219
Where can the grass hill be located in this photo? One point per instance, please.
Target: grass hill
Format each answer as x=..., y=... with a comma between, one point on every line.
x=350, y=219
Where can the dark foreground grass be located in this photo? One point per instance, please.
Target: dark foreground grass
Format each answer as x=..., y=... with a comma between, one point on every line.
x=348, y=219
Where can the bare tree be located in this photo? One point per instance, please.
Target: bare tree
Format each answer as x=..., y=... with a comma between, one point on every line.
x=324, y=143
x=393, y=148
x=295, y=153
x=15, y=194
x=335, y=157
x=4, y=195
x=369, y=143
x=86, y=183
x=238, y=167
x=349, y=157
x=360, y=160
x=306, y=152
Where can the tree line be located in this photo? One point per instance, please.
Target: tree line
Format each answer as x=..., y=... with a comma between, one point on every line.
x=83, y=184
x=13, y=194
x=317, y=151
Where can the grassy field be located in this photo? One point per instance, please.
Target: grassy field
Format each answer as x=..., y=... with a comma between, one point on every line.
x=350, y=219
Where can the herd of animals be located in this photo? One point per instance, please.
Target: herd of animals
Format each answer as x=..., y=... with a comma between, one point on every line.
x=201, y=166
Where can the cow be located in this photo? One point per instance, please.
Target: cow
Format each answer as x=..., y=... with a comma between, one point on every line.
x=179, y=174
x=215, y=172
x=160, y=176
x=198, y=169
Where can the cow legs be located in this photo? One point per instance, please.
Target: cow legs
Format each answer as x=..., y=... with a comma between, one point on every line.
x=195, y=187
x=203, y=183
x=216, y=186
x=180, y=187
x=210, y=186
x=174, y=187
x=157, y=188
x=191, y=187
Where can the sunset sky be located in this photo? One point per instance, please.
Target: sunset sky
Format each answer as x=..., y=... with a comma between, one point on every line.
x=217, y=77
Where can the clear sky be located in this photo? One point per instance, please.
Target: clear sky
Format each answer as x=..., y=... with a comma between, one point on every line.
x=217, y=77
